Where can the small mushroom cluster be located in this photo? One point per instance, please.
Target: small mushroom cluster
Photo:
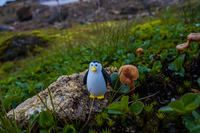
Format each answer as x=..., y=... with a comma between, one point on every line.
x=128, y=73
x=192, y=37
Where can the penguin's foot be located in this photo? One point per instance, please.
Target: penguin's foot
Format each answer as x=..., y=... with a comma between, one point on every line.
x=92, y=96
x=100, y=97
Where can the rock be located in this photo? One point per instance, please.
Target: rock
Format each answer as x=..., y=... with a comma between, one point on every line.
x=62, y=25
x=115, y=12
x=129, y=10
x=130, y=17
x=100, y=3
x=17, y=47
x=24, y=14
x=6, y=28
x=84, y=22
x=57, y=17
x=69, y=93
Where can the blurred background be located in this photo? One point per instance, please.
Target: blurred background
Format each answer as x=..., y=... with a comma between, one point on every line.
x=34, y=14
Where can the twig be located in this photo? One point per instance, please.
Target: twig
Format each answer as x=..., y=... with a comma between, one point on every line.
x=124, y=94
x=117, y=91
x=144, y=97
x=32, y=126
x=89, y=114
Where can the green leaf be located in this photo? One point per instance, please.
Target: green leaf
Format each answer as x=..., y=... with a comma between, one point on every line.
x=177, y=106
x=196, y=114
x=190, y=98
x=172, y=67
x=195, y=129
x=119, y=52
x=190, y=107
x=69, y=129
x=131, y=56
x=115, y=106
x=103, y=57
x=182, y=72
x=124, y=103
x=142, y=69
x=46, y=119
x=179, y=61
x=166, y=109
x=127, y=61
x=114, y=112
x=198, y=80
x=115, y=80
x=114, y=76
x=136, y=107
x=7, y=101
x=189, y=125
x=23, y=85
x=124, y=89
x=157, y=65
x=44, y=131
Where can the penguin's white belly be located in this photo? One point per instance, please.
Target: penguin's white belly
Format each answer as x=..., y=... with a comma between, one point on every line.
x=96, y=84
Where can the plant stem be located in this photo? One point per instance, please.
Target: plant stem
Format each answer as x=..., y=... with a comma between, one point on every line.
x=144, y=97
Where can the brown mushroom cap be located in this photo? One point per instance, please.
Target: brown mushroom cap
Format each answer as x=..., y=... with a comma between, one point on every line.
x=140, y=50
x=128, y=73
x=182, y=46
x=192, y=37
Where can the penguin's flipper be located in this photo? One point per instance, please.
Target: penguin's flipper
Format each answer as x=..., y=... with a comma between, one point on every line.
x=106, y=76
x=85, y=78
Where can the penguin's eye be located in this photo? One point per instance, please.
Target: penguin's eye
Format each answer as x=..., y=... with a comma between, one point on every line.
x=91, y=64
x=95, y=64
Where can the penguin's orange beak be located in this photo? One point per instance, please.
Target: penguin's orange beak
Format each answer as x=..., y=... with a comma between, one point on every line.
x=93, y=69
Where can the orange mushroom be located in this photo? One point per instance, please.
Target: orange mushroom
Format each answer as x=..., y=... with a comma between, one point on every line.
x=128, y=73
x=139, y=50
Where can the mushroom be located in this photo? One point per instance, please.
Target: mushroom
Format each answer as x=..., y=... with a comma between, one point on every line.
x=193, y=37
x=139, y=50
x=182, y=46
x=128, y=73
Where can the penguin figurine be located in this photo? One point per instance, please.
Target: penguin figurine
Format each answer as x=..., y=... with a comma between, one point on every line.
x=96, y=80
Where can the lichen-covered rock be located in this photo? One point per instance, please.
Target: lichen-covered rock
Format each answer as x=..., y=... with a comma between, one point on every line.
x=69, y=96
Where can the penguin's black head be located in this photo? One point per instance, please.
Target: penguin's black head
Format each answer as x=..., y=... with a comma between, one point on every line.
x=95, y=66
x=95, y=61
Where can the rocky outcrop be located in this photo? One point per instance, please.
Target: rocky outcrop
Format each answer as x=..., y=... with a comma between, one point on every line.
x=17, y=47
x=24, y=14
x=70, y=97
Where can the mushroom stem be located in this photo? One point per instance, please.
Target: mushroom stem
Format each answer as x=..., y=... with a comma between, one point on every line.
x=139, y=53
x=139, y=50
x=132, y=86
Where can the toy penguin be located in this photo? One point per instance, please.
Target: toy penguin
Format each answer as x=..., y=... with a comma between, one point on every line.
x=96, y=80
